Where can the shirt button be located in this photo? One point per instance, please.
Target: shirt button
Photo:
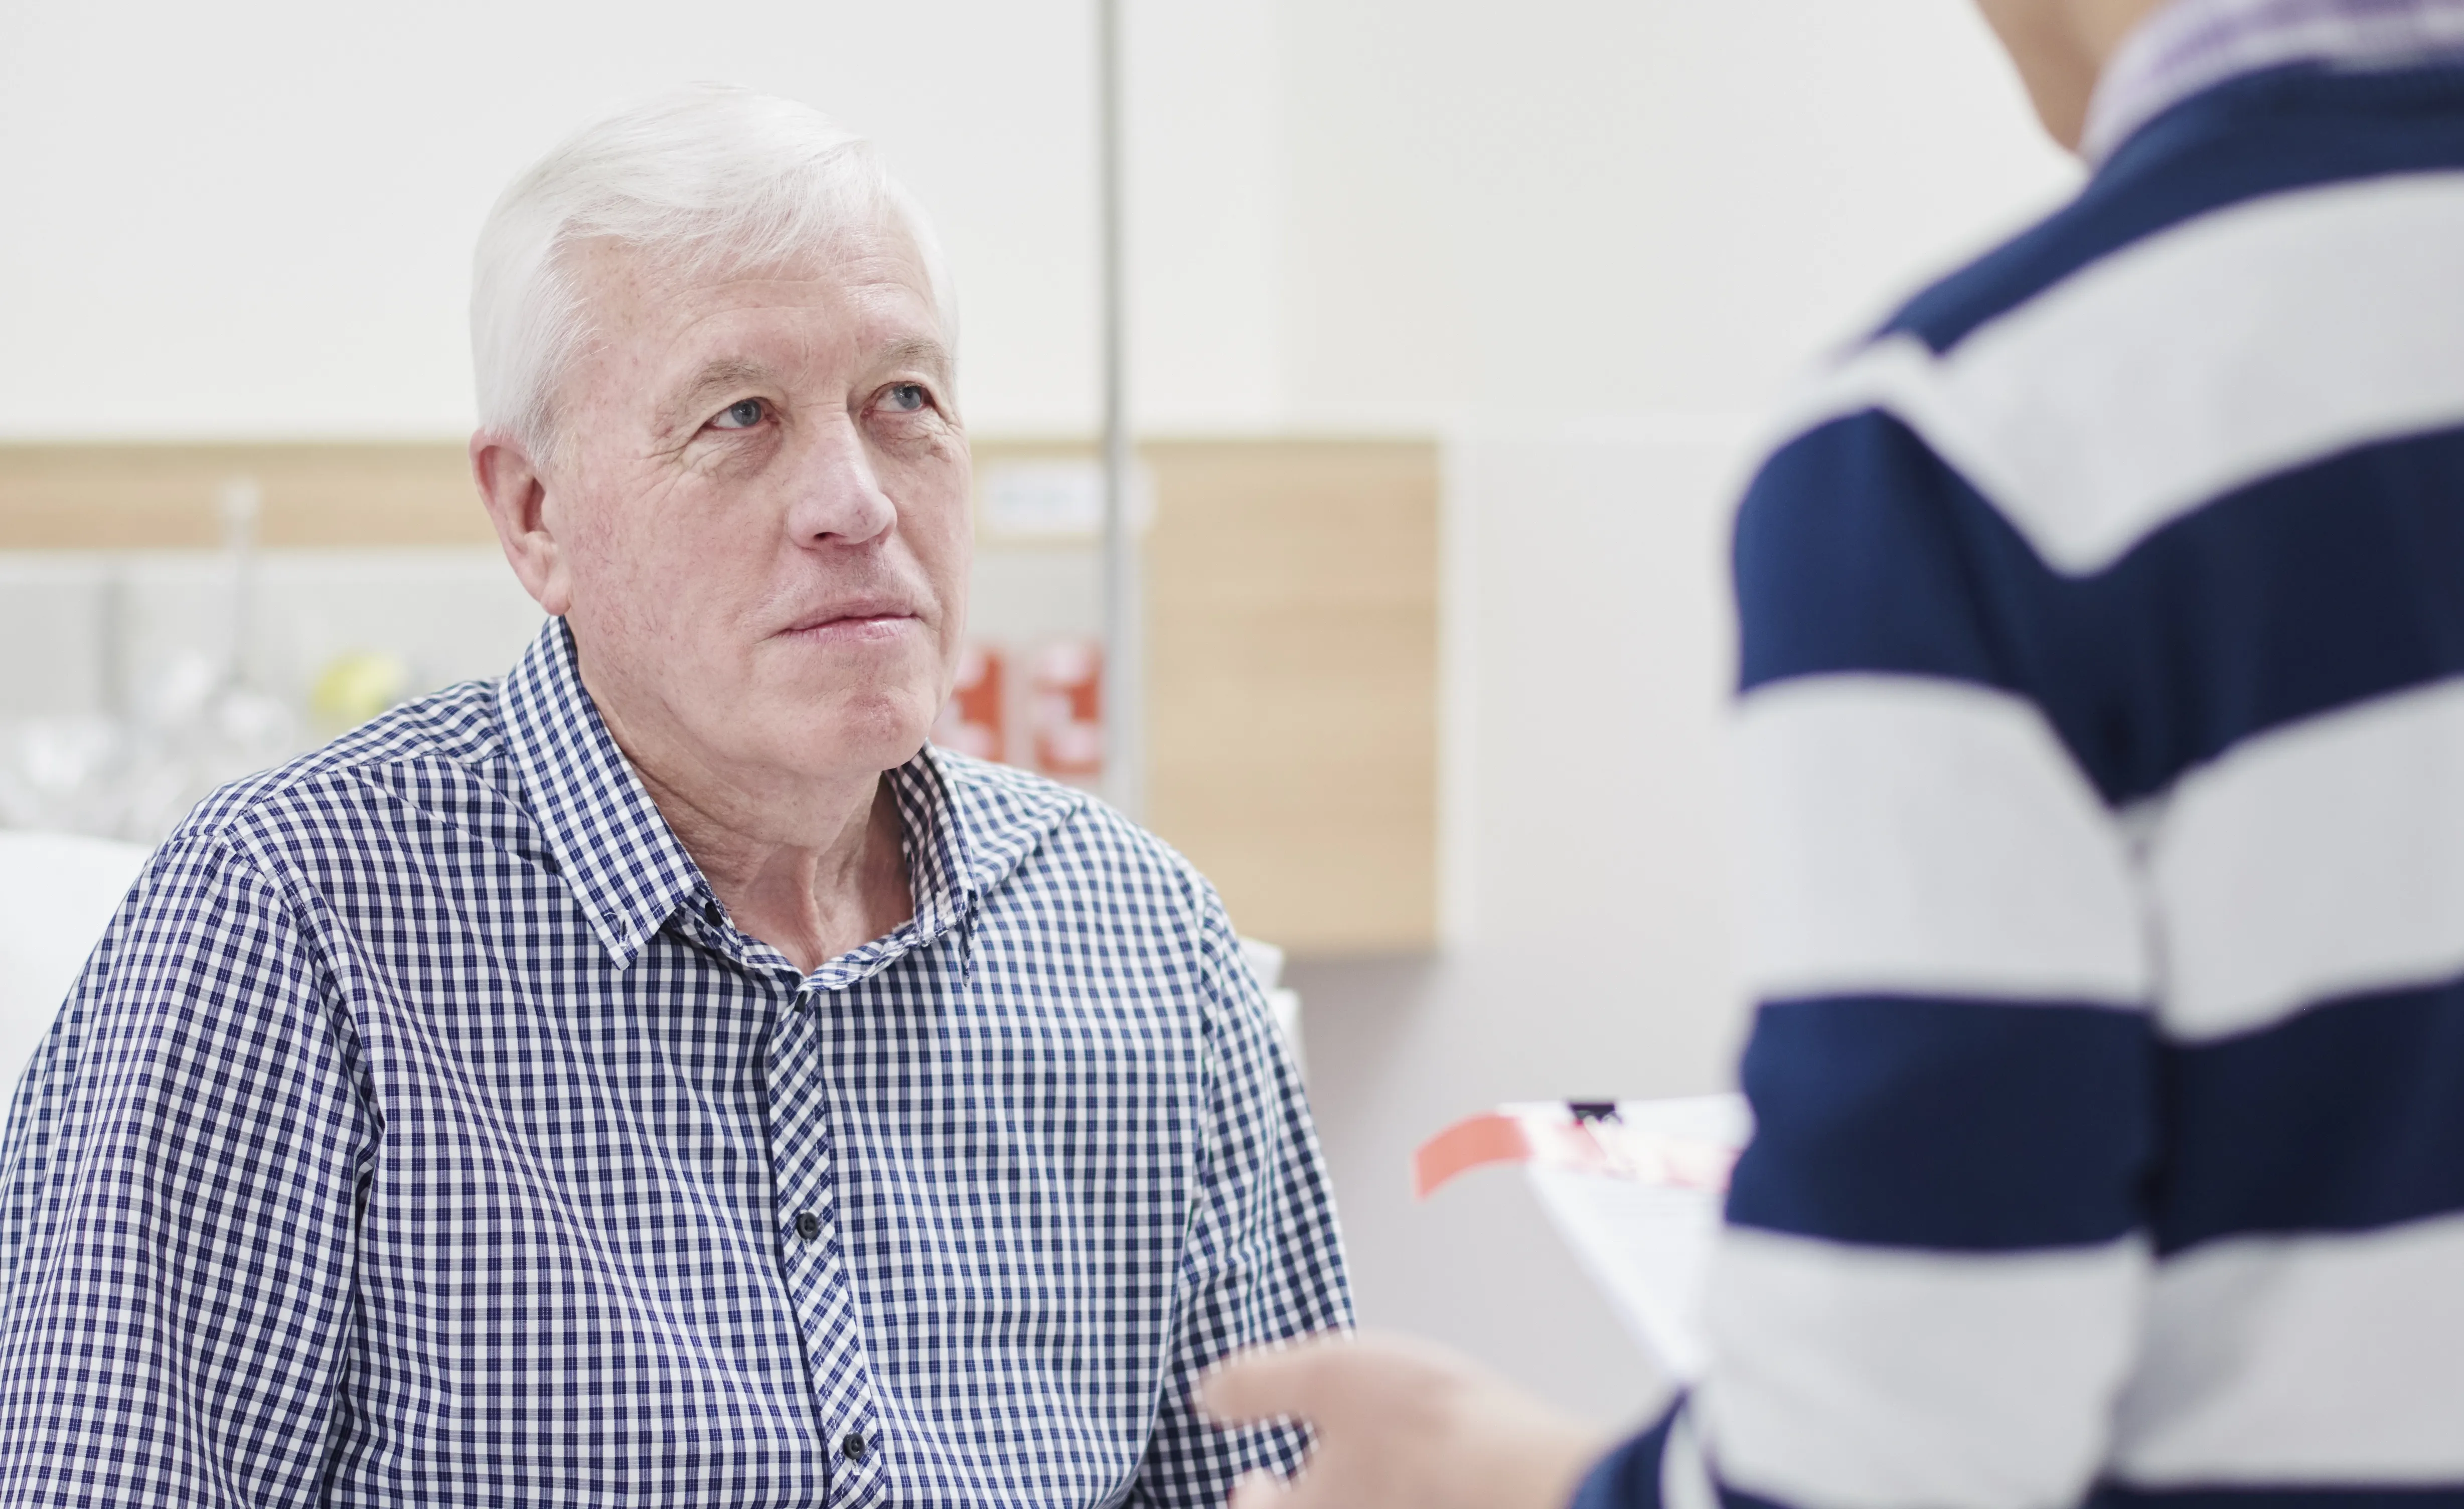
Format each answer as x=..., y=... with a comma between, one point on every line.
x=809, y=1226
x=853, y=1446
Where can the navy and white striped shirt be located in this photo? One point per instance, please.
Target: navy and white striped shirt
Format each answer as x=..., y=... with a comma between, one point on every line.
x=2102, y=741
x=422, y=1132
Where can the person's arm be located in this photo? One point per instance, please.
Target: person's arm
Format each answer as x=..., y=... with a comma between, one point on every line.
x=1263, y=1262
x=178, y=1193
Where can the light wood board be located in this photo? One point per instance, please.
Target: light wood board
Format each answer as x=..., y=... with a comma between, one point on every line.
x=150, y=496
x=1292, y=684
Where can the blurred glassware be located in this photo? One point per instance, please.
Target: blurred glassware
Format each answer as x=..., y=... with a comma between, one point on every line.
x=194, y=724
x=63, y=774
x=134, y=778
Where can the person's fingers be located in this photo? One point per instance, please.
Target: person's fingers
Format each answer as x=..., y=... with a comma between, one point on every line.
x=1260, y=1491
x=1270, y=1381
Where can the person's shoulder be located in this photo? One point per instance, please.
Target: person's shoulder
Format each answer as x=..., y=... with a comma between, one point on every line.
x=446, y=743
x=2160, y=343
x=2219, y=182
x=1020, y=823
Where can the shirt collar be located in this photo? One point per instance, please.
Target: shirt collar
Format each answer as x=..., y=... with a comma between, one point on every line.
x=622, y=860
x=627, y=871
x=2191, y=46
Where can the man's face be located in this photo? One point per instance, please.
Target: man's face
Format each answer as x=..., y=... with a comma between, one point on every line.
x=760, y=508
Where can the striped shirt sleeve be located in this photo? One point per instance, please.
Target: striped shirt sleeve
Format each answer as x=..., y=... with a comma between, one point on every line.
x=1935, y=1254
x=199, y=1082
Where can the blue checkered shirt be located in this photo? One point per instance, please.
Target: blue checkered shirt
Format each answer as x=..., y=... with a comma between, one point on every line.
x=423, y=1132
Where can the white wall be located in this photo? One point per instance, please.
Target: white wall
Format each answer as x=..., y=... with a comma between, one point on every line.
x=255, y=218
x=1569, y=208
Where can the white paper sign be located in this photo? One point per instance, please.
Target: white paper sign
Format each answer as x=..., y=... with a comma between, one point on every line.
x=1056, y=500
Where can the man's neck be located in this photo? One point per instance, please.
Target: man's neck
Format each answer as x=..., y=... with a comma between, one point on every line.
x=2060, y=47
x=812, y=901
x=810, y=865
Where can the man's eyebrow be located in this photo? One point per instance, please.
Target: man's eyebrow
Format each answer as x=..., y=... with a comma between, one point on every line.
x=916, y=350
x=719, y=374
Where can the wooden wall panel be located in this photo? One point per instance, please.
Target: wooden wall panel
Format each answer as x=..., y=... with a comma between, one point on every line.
x=1293, y=601
x=161, y=497
x=1292, y=674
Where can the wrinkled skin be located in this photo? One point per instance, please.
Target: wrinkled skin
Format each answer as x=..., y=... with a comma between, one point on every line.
x=754, y=520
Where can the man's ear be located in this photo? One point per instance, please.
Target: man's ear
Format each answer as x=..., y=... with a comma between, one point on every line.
x=515, y=497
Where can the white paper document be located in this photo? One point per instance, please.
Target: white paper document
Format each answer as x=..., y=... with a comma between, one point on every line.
x=1633, y=1187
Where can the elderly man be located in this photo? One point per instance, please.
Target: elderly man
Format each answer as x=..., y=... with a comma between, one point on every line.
x=659, y=1079
x=2103, y=730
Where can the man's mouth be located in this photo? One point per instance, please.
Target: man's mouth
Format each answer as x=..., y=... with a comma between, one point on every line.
x=852, y=622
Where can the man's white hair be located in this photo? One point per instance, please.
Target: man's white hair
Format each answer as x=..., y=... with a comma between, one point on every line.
x=702, y=181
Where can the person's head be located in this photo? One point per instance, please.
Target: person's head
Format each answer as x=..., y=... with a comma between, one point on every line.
x=719, y=433
x=2060, y=45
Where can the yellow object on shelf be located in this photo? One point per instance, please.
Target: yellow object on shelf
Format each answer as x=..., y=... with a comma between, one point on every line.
x=355, y=687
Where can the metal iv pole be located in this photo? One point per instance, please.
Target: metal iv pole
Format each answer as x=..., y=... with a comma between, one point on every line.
x=1124, y=686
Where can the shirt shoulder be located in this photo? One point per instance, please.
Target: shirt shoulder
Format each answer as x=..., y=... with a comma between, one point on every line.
x=2280, y=132
x=2163, y=342
x=2156, y=455
x=440, y=757
x=1028, y=830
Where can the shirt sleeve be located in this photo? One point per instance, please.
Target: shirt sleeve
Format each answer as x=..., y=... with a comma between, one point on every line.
x=1928, y=1288
x=1262, y=1260
x=178, y=1192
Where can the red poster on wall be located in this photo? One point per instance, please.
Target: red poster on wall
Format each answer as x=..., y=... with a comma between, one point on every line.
x=1067, y=713
x=972, y=722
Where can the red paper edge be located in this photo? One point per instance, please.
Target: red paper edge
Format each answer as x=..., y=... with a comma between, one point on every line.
x=1475, y=1142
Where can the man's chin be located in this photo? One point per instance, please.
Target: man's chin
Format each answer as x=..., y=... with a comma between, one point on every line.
x=832, y=735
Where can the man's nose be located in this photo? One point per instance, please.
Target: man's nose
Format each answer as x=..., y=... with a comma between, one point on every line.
x=838, y=493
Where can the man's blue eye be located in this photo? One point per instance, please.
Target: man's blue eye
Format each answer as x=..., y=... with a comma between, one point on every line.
x=907, y=398
x=742, y=414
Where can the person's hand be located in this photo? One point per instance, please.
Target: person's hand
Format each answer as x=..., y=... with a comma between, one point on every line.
x=1401, y=1425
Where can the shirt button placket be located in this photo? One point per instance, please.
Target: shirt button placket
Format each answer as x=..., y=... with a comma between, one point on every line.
x=813, y=1262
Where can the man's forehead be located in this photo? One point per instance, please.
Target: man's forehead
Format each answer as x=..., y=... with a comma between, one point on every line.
x=869, y=300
